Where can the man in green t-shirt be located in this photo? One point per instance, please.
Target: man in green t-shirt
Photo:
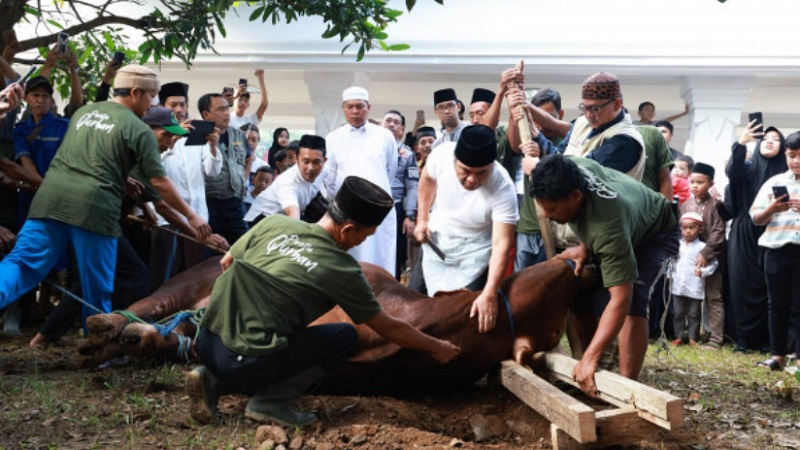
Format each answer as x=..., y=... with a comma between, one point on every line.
x=630, y=230
x=279, y=277
x=80, y=199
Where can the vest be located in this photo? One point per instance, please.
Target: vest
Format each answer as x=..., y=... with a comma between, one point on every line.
x=580, y=144
x=230, y=181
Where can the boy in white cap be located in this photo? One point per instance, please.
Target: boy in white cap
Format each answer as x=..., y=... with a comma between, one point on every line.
x=80, y=200
x=688, y=280
x=368, y=151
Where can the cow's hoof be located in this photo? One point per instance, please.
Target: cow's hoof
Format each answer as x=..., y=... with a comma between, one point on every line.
x=140, y=339
x=104, y=328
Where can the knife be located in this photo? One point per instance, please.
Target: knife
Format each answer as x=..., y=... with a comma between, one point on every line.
x=435, y=248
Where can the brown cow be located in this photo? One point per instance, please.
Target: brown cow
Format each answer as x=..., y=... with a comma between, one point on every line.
x=539, y=297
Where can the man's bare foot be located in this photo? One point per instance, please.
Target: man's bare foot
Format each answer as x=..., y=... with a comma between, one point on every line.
x=39, y=342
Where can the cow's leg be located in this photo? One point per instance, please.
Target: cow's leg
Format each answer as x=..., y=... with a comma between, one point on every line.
x=141, y=339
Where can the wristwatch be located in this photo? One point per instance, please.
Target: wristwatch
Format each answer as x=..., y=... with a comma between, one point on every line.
x=412, y=217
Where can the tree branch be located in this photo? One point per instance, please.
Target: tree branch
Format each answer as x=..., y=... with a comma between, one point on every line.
x=45, y=41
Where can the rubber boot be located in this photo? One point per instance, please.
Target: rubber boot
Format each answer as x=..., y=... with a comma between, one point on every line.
x=203, y=389
x=272, y=403
x=11, y=320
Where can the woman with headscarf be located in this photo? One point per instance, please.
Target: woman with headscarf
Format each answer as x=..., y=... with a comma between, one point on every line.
x=747, y=285
x=280, y=141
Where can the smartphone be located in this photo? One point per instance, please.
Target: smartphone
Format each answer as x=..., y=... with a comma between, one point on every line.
x=118, y=59
x=421, y=115
x=778, y=191
x=243, y=82
x=227, y=91
x=22, y=81
x=758, y=117
x=63, y=38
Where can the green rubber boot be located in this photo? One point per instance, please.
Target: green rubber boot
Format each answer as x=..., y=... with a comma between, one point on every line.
x=273, y=403
x=203, y=390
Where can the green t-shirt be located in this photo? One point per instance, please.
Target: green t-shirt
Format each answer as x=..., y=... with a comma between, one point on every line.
x=657, y=153
x=528, y=222
x=87, y=179
x=618, y=214
x=285, y=274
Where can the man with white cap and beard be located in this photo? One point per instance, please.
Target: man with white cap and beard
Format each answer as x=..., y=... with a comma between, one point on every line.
x=368, y=151
x=472, y=221
x=79, y=201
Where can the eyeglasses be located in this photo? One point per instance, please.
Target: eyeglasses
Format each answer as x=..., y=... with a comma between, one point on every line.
x=442, y=107
x=594, y=109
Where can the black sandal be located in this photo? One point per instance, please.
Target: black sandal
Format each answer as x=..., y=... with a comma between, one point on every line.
x=772, y=363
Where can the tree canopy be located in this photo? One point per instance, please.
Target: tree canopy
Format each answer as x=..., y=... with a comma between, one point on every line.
x=181, y=28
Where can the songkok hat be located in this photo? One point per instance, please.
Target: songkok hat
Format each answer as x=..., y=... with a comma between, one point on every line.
x=174, y=89
x=444, y=95
x=703, y=168
x=482, y=95
x=136, y=76
x=355, y=93
x=313, y=142
x=477, y=146
x=363, y=201
x=425, y=131
x=693, y=216
x=36, y=82
x=158, y=116
x=601, y=86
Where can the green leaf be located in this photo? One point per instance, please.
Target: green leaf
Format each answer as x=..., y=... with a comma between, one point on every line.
x=410, y=4
x=441, y=2
x=145, y=56
x=55, y=24
x=257, y=12
x=32, y=11
x=381, y=35
x=384, y=46
x=332, y=32
x=109, y=41
x=361, y=51
x=220, y=26
x=399, y=47
x=86, y=53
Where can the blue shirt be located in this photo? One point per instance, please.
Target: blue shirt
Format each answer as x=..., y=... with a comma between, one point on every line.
x=43, y=148
x=406, y=180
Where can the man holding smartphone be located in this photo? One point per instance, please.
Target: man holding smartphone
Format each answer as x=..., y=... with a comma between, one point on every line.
x=777, y=205
x=242, y=102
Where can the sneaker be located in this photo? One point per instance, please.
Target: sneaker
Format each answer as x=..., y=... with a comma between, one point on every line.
x=201, y=387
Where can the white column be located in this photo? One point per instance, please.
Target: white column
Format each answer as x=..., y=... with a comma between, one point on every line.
x=325, y=91
x=716, y=110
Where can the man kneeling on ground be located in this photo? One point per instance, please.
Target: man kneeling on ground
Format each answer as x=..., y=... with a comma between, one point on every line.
x=279, y=277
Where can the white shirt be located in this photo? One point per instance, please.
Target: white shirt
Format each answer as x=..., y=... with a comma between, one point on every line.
x=237, y=122
x=185, y=166
x=369, y=152
x=459, y=212
x=684, y=280
x=289, y=189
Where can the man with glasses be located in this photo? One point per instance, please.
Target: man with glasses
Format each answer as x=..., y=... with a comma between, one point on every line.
x=369, y=151
x=79, y=201
x=445, y=105
x=603, y=133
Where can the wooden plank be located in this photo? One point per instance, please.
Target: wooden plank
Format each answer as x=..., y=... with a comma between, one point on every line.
x=658, y=407
x=619, y=426
x=572, y=416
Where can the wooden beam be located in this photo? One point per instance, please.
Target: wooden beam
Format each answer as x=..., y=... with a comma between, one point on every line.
x=618, y=426
x=658, y=407
x=572, y=416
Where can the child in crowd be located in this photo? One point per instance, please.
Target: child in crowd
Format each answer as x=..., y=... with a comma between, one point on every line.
x=701, y=181
x=262, y=179
x=680, y=177
x=688, y=279
x=777, y=205
x=284, y=160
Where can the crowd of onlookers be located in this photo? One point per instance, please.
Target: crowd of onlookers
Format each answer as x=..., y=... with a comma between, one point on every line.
x=732, y=274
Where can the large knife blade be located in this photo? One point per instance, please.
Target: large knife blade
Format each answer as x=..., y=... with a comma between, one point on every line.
x=435, y=248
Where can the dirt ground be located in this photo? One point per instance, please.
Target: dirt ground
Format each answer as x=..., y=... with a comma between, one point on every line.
x=47, y=401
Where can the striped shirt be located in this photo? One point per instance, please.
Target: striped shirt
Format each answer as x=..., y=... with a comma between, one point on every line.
x=783, y=227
